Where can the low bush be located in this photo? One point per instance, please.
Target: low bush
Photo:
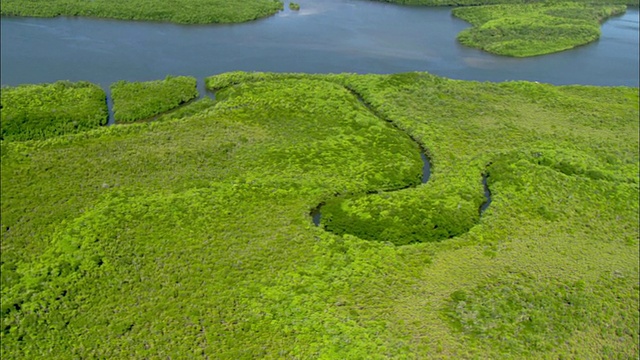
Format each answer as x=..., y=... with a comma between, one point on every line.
x=133, y=101
x=41, y=111
x=518, y=314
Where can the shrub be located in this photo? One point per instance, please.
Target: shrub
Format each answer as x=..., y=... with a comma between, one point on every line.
x=41, y=111
x=133, y=101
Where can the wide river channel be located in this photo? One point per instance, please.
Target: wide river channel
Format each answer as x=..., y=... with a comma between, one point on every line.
x=328, y=36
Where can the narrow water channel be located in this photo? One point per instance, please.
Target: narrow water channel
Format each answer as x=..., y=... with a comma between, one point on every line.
x=487, y=195
x=111, y=120
x=316, y=213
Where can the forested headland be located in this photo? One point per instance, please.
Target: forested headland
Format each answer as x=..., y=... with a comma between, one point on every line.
x=180, y=11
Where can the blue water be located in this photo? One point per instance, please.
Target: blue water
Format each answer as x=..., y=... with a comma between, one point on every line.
x=329, y=36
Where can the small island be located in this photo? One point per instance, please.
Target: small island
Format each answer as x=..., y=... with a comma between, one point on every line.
x=525, y=30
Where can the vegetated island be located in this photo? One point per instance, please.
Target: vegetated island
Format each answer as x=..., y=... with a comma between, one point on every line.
x=533, y=29
x=191, y=235
x=520, y=28
x=177, y=11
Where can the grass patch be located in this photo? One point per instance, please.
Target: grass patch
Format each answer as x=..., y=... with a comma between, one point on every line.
x=533, y=29
x=134, y=101
x=188, y=110
x=183, y=11
x=41, y=111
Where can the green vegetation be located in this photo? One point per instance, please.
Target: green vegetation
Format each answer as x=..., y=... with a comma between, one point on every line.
x=192, y=108
x=133, y=101
x=294, y=6
x=533, y=29
x=181, y=11
x=192, y=236
x=404, y=217
x=519, y=314
x=47, y=110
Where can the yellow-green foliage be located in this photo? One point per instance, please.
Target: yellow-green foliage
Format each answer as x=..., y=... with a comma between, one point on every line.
x=46, y=110
x=187, y=110
x=192, y=237
x=182, y=11
x=519, y=314
x=533, y=29
x=133, y=101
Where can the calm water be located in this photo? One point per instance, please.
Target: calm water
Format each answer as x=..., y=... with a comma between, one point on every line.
x=324, y=36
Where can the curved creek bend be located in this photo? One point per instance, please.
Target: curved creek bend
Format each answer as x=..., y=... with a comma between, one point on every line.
x=316, y=213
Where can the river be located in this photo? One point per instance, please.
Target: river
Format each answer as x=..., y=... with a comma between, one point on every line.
x=330, y=36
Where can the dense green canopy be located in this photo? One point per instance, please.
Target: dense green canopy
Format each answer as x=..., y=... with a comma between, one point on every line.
x=533, y=29
x=178, y=11
x=191, y=236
